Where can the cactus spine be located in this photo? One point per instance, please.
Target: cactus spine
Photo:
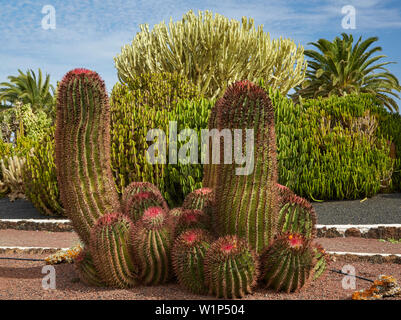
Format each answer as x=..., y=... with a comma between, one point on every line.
x=188, y=259
x=82, y=137
x=231, y=268
x=152, y=240
x=288, y=263
x=246, y=205
x=112, y=252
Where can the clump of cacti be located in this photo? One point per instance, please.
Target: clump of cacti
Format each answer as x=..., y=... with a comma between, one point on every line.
x=288, y=263
x=82, y=138
x=11, y=171
x=231, y=268
x=112, y=250
x=247, y=203
x=131, y=243
x=152, y=239
x=188, y=259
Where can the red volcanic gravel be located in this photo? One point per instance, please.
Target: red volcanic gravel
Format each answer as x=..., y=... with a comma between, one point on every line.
x=23, y=280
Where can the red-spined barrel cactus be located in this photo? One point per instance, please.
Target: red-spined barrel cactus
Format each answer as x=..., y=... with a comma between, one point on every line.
x=82, y=139
x=199, y=199
x=296, y=215
x=135, y=188
x=152, y=239
x=138, y=203
x=247, y=201
x=86, y=269
x=288, y=263
x=231, y=268
x=188, y=259
x=192, y=218
x=112, y=252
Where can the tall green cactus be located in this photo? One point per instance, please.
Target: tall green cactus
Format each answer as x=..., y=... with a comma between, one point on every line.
x=288, y=264
x=247, y=204
x=82, y=137
x=112, y=251
x=152, y=239
x=188, y=259
x=231, y=268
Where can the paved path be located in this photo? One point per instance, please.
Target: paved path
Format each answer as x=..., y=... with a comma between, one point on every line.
x=380, y=209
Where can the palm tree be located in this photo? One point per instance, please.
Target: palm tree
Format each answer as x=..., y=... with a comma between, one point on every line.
x=27, y=88
x=340, y=68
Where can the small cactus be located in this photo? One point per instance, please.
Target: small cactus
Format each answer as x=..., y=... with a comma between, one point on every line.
x=137, y=204
x=296, y=215
x=231, y=268
x=287, y=264
x=188, y=259
x=199, y=199
x=138, y=187
x=86, y=269
x=322, y=261
x=152, y=240
x=192, y=218
x=110, y=246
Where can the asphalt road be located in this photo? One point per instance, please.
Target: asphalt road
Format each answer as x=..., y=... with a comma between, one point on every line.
x=382, y=208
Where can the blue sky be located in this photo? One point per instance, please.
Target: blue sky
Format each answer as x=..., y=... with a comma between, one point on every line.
x=90, y=33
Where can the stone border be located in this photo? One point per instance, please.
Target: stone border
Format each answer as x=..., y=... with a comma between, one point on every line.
x=53, y=225
x=371, y=231
x=29, y=250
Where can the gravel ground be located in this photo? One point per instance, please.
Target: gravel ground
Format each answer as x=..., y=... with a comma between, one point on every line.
x=383, y=208
x=23, y=280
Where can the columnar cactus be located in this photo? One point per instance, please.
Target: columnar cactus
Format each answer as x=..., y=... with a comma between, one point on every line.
x=112, y=251
x=152, y=239
x=247, y=204
x=82, y=138
x=288, y=263
x=188, y=259
x=231, y=268
x=86, y=269
x=296, y=215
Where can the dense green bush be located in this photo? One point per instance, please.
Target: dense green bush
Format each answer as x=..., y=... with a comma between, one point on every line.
x=150, y=101
x=330, y=148
x=39, y=176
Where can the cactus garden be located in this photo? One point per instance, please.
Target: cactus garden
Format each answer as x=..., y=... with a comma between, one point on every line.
x=223, y=164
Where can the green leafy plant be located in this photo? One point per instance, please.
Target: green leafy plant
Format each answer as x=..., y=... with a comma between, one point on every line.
x=151, y=101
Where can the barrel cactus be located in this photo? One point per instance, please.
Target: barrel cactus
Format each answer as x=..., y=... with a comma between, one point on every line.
x=112, y=251
x=247, y=202
x=288, y=263
x=231, y=268
x=152, y=239
x=82, y=139
x=188, y=259
x=86, y=269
